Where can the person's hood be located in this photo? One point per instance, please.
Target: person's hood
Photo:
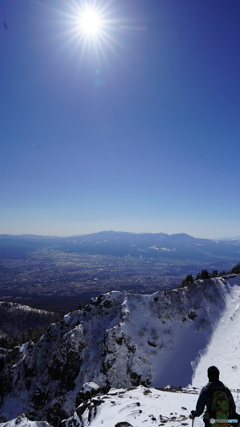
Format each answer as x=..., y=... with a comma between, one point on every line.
x=216, y=385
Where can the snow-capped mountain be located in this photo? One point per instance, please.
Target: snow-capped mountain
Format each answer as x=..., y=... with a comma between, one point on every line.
x=124, y=341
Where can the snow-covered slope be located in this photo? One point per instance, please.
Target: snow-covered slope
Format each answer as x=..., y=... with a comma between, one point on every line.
x=140, y=406
x=23, y=421
x=123, y=340
x=223, y=349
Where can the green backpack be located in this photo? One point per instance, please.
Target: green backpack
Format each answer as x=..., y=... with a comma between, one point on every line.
x=220, y=410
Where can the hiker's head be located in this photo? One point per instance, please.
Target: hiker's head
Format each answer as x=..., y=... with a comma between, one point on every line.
x=213, y=373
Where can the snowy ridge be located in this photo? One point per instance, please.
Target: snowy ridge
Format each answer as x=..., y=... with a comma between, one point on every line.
x=23, y=421
x=15, y=305
x=140, y=406
x=123, y=341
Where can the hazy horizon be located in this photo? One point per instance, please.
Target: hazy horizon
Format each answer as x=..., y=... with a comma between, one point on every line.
x=235, y=237
x=135, y=129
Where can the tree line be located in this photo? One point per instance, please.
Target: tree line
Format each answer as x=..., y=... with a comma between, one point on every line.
x=205, y=274
x=19, y=325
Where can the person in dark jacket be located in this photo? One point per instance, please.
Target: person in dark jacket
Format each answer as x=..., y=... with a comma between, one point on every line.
x=205, y=397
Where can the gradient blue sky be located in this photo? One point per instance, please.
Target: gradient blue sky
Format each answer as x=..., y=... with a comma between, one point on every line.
x=140, y=132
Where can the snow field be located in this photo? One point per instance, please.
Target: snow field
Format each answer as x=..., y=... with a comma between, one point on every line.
x=223, y=350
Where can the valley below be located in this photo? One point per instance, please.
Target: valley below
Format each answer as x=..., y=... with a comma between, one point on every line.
x=62, y=274
x=61, y=282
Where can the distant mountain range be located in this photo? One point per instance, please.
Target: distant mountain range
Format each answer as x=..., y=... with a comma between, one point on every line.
x=121, y=244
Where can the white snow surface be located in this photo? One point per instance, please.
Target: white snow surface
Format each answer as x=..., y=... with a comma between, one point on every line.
x=145, y=407
x=23, y=421
x=223, y=350
x=141, y=406
x=14, y=305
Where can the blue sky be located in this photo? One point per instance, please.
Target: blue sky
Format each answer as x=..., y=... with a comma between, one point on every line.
x=137, y=130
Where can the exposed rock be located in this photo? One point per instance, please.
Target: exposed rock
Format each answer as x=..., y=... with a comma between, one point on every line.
x=87, y=392
x=123, y=424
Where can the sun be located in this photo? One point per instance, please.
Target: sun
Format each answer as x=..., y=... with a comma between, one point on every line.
x=90, y=22
x=90, y=29
x=94, y=28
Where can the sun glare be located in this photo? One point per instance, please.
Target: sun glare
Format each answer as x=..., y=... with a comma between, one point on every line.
x=90, y=23
x=92, y=28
